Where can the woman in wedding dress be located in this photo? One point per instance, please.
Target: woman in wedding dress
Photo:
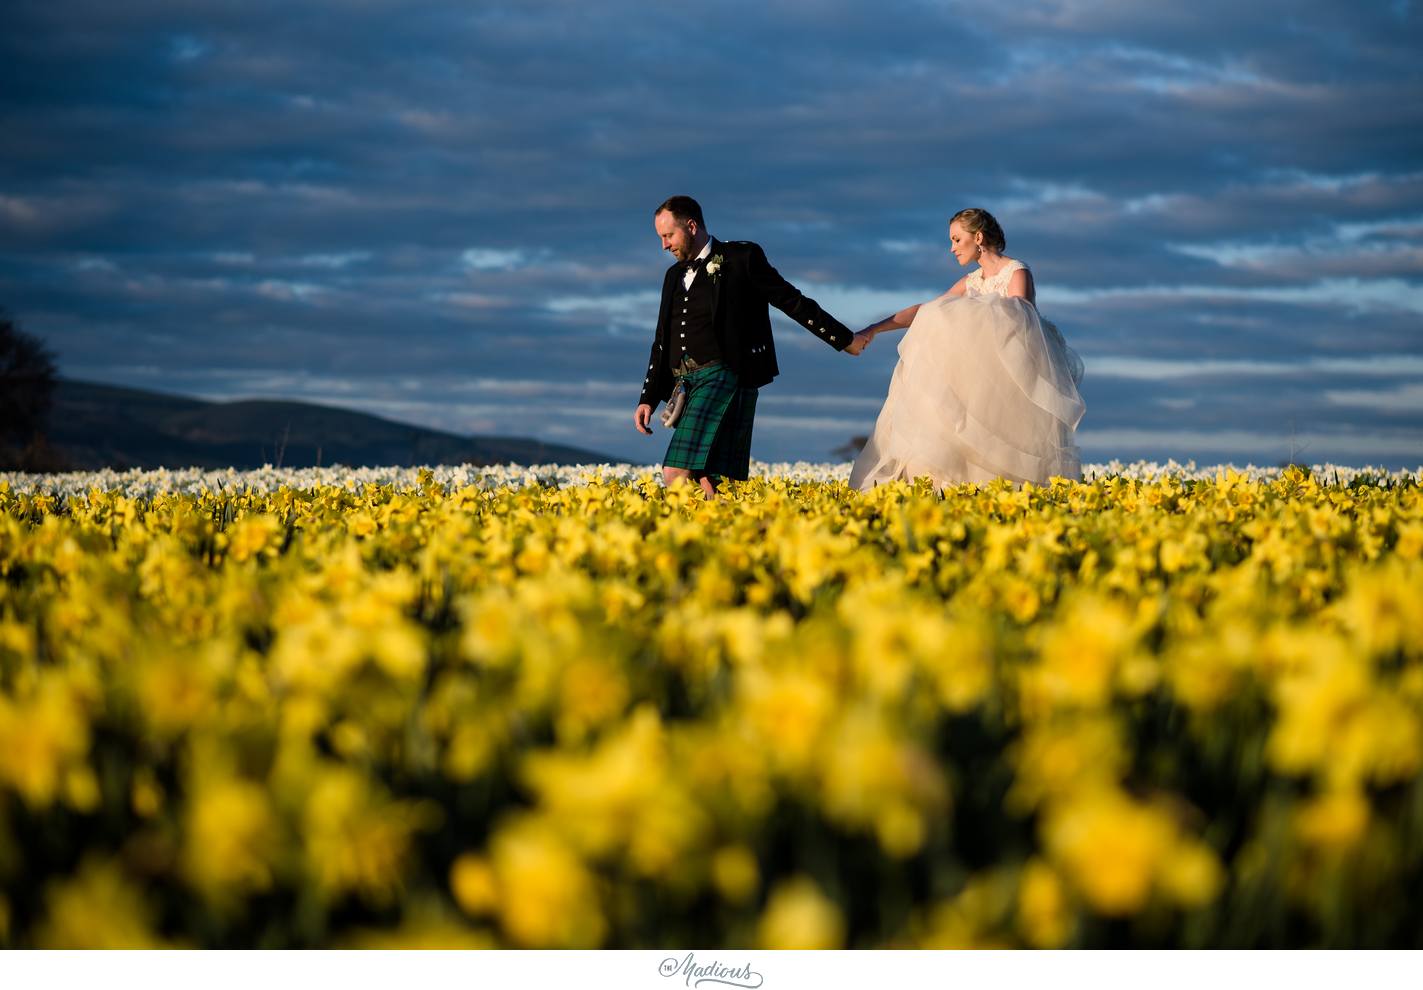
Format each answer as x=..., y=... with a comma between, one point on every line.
x=984, y=387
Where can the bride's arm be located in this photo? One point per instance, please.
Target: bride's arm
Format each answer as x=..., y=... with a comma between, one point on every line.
x=898, y=321
x=905, y=316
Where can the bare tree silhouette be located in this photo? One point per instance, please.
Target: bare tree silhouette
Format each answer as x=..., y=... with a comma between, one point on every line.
x=27, y=379
x=850, y=449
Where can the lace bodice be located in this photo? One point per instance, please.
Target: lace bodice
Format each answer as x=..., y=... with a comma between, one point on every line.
x=979, y=284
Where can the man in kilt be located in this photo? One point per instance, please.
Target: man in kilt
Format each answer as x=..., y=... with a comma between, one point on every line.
x=714, y=340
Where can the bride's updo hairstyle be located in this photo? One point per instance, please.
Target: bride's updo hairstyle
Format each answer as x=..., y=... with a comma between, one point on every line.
x=975, y=220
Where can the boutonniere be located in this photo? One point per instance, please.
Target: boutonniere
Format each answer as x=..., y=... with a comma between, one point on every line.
x=714, y=266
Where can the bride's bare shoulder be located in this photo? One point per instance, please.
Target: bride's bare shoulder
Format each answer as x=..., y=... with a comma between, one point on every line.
x=959, y=287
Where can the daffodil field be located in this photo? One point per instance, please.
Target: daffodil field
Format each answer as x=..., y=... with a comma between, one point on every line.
x=451, y=708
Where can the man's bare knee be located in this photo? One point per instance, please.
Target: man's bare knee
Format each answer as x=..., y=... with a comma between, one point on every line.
x=672, y=475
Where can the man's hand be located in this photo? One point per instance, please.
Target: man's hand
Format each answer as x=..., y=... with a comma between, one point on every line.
x=861, y=341
x=642, y=419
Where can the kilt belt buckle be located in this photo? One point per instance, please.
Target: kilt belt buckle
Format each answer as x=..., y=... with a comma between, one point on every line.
x=687, y=365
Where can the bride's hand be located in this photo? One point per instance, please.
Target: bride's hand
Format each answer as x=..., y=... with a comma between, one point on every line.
x=859, y=343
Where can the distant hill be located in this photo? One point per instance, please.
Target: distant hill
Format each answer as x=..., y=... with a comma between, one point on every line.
x=94, y=426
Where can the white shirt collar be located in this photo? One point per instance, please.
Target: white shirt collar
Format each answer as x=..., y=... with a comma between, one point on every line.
x=691, y=273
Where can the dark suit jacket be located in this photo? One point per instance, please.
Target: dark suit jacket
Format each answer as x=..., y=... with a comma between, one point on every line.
x=745, y=286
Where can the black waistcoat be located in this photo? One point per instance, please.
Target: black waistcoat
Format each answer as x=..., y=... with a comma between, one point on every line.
x=692, y=331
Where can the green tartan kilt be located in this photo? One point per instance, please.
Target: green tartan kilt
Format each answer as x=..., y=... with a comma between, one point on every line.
x=713, y=435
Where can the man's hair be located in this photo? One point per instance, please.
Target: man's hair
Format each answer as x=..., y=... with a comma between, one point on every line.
x=684, y=208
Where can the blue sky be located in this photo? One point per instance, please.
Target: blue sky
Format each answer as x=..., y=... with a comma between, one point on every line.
x=442, y=212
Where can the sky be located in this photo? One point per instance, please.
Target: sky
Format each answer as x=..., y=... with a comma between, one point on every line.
x=442, y=212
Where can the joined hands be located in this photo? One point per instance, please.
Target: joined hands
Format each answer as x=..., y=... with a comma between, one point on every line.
x=859, y=343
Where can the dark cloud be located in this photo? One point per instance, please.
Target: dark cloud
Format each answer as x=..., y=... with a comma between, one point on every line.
x=442, y=211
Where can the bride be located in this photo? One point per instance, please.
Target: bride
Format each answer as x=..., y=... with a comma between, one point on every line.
x=984, y=387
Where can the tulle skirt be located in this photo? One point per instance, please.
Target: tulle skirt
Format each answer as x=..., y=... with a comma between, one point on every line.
x=984, y=389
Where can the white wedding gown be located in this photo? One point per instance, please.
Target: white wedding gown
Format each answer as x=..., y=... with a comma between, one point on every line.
x=984, y=389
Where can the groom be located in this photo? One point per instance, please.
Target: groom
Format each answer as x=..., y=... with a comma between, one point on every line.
x=714, y=337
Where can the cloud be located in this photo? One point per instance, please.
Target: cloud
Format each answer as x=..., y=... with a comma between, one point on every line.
x=1403, y=398
x=631, y=310
x=493, y=259
x=1378, y=365
x=1352, y=294
x=1370, y=248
